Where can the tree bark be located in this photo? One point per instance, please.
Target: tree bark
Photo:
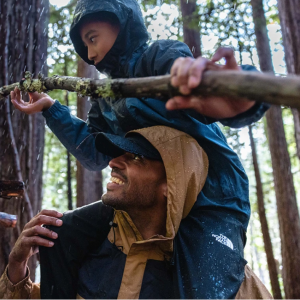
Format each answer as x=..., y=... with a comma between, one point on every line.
x=69, y=173
x=191, y=29
x=24, y=23
x=89, y=184
x=289, y=14
x=264, y=223
x=296, y=115
x=288, y=215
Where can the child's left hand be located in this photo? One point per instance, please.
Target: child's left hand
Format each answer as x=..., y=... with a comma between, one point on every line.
x=186, y=74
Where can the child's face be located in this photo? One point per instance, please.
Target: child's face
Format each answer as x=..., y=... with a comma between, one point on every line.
x=98, y=37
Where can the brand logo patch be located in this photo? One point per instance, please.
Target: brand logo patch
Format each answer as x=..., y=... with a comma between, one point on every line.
x=223, y=240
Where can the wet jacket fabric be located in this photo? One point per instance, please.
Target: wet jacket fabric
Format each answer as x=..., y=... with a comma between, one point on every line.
x=92, y=259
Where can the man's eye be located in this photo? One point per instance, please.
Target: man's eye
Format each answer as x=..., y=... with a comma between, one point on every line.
x=137, y=157
x=92, y=39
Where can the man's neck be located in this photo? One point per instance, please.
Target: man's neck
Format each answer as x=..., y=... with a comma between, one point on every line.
x=150, y=223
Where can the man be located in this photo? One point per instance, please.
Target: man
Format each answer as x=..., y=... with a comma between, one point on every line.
x=148, y=238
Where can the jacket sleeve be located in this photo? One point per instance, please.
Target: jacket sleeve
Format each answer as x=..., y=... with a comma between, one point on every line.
x=24, y=289
x=77, y=137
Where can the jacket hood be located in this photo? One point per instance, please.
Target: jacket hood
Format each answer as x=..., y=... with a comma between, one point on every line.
x=186, y=166
x=132, y=36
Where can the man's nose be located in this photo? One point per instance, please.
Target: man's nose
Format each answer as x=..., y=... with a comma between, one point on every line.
x=118, y=162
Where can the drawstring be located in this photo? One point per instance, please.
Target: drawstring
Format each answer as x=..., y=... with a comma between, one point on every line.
x=114, y=225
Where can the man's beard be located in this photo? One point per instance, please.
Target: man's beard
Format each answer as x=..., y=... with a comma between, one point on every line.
x=138, y=199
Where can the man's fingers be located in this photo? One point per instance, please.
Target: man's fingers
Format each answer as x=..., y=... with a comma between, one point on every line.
x=36, y=241
x=43, y=220
x=228, y=54
x=41, y=231
x=51, y=213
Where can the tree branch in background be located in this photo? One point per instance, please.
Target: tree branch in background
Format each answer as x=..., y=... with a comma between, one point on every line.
x=262, y=87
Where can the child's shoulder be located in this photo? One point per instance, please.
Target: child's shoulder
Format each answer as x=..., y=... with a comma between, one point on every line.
x=159, y=57
x=165, y=45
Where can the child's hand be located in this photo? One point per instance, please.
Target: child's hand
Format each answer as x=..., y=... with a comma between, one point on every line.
x=186, y=74
x=38, y=102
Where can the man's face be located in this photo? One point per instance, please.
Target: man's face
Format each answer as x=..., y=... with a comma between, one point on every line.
x=98, y=37
x=136, y=183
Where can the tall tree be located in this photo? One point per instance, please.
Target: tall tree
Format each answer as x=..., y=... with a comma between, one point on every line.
x=289, y=14
x=23, y=46
x=191, y=29
x=288, y=215
x=89, y=184
x=264, y=223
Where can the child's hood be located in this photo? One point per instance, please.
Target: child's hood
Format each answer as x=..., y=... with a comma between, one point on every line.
x=133, y=33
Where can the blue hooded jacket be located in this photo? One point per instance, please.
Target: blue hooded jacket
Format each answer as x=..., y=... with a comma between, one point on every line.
x=226, y=187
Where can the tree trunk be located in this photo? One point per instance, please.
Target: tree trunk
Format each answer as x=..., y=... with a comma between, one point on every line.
x=191, y=29
x=296, y=116
x=69, y=173
x=288, y=215
x=89, y=184
x=289, y=14
x=264, y=224
x=23, y=46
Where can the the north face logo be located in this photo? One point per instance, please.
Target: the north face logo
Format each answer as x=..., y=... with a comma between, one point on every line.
x=223, y=240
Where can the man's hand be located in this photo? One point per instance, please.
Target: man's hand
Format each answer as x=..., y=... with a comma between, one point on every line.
x=186, y=74
x=38, y=102
x=29, y=240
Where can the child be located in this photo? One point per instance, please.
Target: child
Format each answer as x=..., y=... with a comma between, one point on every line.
x=111, y=34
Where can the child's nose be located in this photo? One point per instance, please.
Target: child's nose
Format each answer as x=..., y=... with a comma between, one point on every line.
x=91, y=54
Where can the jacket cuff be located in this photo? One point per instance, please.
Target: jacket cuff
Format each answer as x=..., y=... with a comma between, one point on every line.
x=26, y=283
x=248, y=117
x=52, y=109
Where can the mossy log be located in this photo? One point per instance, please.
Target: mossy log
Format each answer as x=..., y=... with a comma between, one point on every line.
x=256, y=86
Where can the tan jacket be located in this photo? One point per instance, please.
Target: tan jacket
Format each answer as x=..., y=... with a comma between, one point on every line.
x=186, y=166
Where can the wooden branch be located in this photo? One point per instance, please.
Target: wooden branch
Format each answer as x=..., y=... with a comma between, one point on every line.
x=262, y=87
x=11, y=188
x=7, y=220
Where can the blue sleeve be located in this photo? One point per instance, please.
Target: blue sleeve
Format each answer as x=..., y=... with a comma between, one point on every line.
x=76, y=136
x=250, y=116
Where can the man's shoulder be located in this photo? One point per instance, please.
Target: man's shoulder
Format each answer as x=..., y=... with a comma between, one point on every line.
x=94, y=215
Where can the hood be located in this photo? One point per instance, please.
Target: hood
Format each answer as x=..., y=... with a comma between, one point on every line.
x=186, y=166
x=132, y=36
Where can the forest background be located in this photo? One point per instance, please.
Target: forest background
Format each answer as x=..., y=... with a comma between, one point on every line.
x=31, y=152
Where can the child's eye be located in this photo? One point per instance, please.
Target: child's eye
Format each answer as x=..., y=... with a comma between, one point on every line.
x=92, y=39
